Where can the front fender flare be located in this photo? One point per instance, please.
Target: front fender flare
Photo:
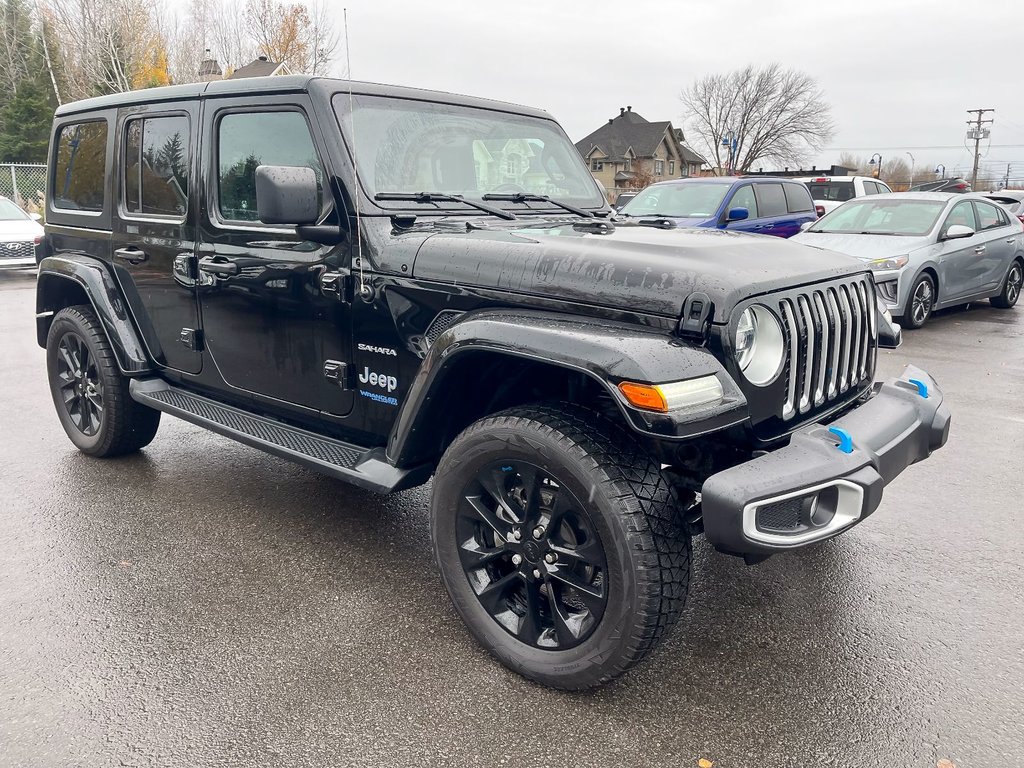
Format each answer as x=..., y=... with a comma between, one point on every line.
x=95, y=281
x=607, y=352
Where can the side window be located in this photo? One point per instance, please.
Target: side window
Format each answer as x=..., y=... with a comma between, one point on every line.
x=246, y=140
x=988, y=216
x=771, y=200
x=798, y=199
x=156, y=161
x=962, y=213
x=744, y=198
x=882, y=188
x=870, y=188
x=80, y=167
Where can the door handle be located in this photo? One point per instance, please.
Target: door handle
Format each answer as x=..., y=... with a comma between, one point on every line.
x=131, y=254
x=218, y=265
x=980, y=249
x=1011, y=240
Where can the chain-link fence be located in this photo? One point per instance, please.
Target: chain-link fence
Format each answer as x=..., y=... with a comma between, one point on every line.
x=24, y=184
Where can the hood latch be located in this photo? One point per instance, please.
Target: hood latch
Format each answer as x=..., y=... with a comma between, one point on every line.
x=696, y=316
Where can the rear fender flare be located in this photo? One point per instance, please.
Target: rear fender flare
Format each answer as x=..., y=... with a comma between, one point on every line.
x=90, y=277
x=606, y=352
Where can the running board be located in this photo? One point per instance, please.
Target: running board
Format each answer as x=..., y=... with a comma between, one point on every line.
x=365, y=467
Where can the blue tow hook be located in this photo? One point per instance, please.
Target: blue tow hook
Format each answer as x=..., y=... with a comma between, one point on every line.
x=845, y=441
x=922, y=388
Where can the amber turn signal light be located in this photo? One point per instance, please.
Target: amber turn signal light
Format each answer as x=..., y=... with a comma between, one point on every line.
x=644, y=396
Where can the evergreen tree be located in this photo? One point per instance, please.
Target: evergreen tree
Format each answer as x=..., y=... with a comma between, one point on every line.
x=25, y=121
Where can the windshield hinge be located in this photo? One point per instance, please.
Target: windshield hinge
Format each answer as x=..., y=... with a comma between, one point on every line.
x=696, y=316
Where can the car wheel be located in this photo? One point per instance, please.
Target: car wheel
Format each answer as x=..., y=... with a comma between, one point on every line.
x=1011, y=287
x=559, y=542
x=921, y=302
x=89, y=392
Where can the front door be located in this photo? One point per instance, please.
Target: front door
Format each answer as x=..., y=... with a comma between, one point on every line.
x=743, y=197
x=153, y=233
x=959, y=266
x=270, y=327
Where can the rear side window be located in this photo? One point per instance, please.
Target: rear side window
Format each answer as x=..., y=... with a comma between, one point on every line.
x=80, y=167
x=988, y=216
x=771, y=200
x=156, y=159
x=798, y=199
x=251, y=139
x=838, y=191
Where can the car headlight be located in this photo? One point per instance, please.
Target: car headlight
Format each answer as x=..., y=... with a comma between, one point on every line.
x=760, y=345
x=890, y=263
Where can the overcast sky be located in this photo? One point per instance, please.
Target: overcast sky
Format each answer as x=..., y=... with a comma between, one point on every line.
x=899, y=74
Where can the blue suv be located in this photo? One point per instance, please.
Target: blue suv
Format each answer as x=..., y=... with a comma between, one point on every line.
x=764, y=205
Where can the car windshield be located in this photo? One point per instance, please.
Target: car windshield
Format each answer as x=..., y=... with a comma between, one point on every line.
x=407, y=147
x=10, y=212
x=699, y=200
x=839, y=191
x=881, y=217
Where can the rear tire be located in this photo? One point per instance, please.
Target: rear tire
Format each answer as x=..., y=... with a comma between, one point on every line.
x=601, y=566
x=1012, y=286
x=921, y=302
x=89, y=391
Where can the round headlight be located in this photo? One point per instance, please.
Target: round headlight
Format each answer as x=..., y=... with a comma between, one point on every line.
x=760, y=345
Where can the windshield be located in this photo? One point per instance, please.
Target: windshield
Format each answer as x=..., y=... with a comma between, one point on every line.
x=405, y=147
x=699, y=200
x=10, y=212
x=881, y=217
x=839, y=191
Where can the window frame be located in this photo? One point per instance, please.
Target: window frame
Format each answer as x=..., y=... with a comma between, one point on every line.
x=121, y=166
x=596, y=166
x=51, y=176
x=763, y=186
x=795, y=185
x=212, y=186
x=659, y=167
x=751, y=214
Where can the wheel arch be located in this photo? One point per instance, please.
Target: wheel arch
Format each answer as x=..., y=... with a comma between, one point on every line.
x=498, y=359
x=71, y=279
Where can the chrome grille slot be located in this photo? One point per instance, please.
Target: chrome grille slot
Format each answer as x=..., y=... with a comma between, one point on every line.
x=830, y=337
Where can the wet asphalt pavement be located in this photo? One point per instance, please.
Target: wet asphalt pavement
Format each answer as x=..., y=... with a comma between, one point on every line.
x=204, y=604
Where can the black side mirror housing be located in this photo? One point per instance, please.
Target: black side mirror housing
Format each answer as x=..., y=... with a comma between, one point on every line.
x=287, y=195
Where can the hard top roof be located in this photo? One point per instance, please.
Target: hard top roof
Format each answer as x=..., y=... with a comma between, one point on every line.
x=285, y=84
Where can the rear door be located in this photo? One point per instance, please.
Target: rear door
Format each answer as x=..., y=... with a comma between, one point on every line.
x=800, y=207
x=773, y=212
x=154, y=238
x=998, y=241
x=272, y=325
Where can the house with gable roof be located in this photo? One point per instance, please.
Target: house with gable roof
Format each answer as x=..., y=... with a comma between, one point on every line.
x=629, y=152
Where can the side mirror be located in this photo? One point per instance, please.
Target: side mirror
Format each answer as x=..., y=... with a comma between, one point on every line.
x=805, y=225
x=738, y=214
x=287, y=195
x=958, y=231
x=35, y=217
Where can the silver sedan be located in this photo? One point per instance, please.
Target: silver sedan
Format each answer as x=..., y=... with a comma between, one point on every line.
x=928, y=250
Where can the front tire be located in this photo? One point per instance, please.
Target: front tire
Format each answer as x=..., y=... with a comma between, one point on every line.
x=921, y=302
x=89, y=392
x=1012, y=286
x=559, y=541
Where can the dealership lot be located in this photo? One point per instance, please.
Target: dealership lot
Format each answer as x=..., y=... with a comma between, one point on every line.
x=201, y=603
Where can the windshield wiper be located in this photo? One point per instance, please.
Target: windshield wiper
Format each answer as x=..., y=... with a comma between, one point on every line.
x=441, y=197
x=525, y=197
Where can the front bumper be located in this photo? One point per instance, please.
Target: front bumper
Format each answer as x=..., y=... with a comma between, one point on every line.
x=821, y=484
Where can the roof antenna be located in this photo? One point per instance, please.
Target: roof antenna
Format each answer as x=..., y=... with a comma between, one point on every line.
x=363, y=292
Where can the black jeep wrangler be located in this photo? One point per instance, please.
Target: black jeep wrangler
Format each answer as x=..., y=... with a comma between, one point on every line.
x=389, y=285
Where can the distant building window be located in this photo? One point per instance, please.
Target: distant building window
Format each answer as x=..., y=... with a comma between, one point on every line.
x=671, y=167
x=513, y=165
x=659, y=167
x=596, y=165
x=629, y=165
x=80, y=169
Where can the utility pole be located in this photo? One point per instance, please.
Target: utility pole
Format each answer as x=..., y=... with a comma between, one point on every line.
x=977, y=133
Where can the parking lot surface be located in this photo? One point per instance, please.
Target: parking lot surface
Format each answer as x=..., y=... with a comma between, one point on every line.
x=204, y=604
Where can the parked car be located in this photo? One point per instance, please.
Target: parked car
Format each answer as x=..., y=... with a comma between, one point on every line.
x=829, y=192
x=622, y=199
x=382, y=307
x=20, y=235
x=955, y=184
x=1011, y=199
x=765, y=205
x=929, y=250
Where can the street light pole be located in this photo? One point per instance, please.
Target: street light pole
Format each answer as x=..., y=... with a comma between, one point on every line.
x=911, y=184
x=878, y=167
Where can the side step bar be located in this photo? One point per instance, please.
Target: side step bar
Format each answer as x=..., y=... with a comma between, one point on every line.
x=366, y=468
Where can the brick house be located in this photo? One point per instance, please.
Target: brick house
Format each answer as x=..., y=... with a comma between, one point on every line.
x=629, y=152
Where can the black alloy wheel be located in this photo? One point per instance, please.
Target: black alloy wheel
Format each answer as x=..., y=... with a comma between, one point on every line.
x=922, y=301
x=1011, y=287
x=79, y=383
x=531, y=555
x=561, y=543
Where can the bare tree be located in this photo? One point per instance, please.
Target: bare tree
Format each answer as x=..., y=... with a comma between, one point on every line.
x=300, y=35
x=766, y=114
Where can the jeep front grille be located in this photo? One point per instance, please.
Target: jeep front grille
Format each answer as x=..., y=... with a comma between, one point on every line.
x=830, y=343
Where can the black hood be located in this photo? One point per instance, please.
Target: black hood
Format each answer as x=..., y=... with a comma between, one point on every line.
x=643, y=268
